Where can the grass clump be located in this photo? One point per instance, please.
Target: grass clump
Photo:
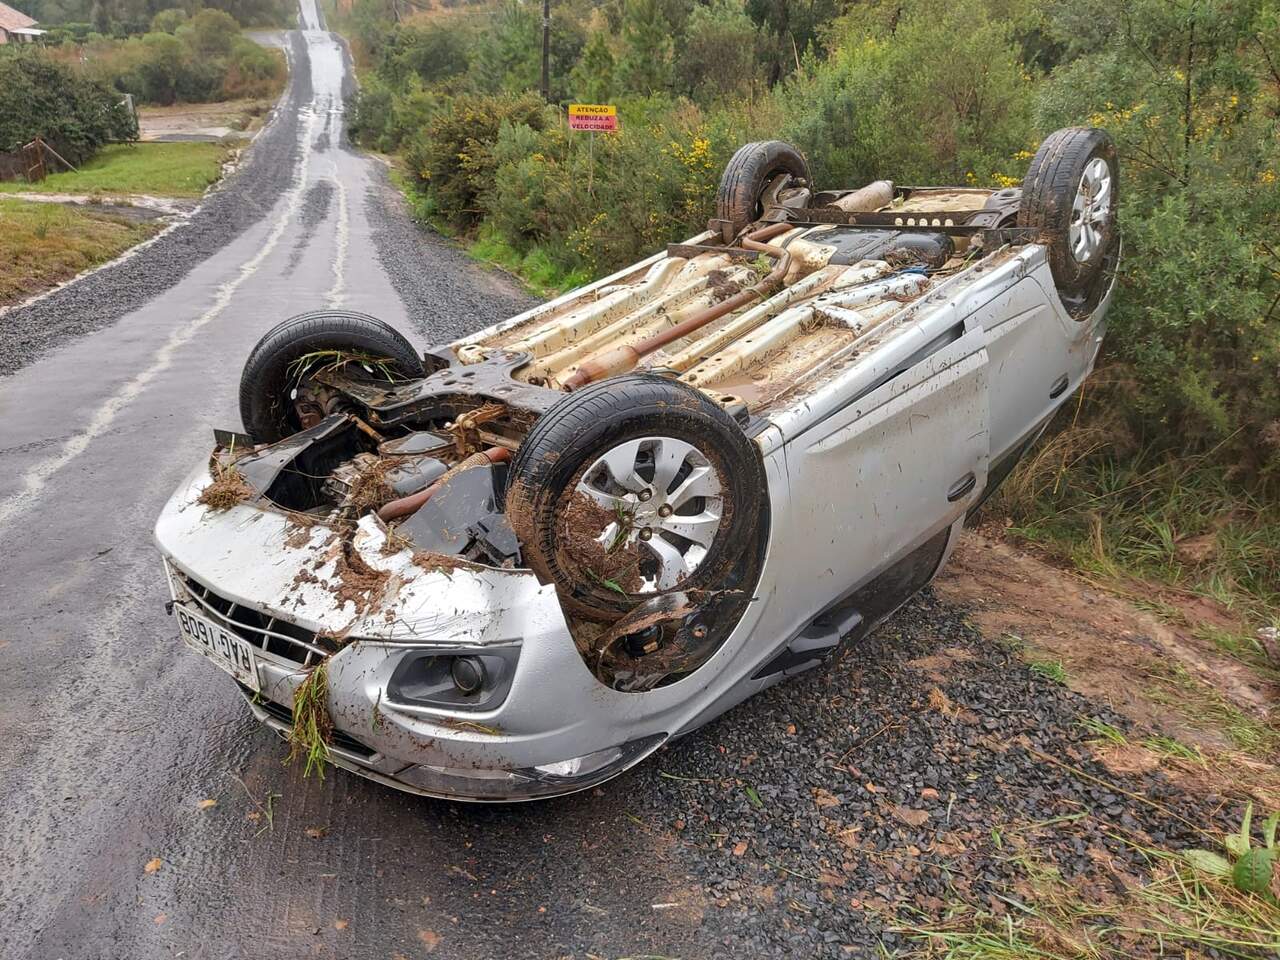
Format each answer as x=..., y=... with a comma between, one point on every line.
x=1178, y=911
x=182, y=169
x=1050, y=670
x=228, y=489
x=1204, y=707
x=312, y=725
x=1178, y=522
x=536, y=268
x=44, y=244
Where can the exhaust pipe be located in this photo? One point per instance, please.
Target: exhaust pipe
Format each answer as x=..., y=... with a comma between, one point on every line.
x=624, y=358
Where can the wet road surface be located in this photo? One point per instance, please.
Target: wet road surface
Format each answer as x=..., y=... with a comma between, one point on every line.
x=112, y=736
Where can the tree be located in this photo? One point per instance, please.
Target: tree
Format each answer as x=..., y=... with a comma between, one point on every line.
x=431, y=51
x=168, y=21
x=720, y=56
x=592, y=79
x=510, y=59
x=213, y=32
x=646, y=64
x=791, y=27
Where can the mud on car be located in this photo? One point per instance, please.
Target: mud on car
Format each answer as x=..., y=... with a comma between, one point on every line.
x=514, y=565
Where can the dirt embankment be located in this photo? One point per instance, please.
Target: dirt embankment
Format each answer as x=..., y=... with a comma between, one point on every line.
x=1165, y=676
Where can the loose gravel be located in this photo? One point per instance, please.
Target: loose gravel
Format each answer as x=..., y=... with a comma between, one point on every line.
x=446, y=293
x=244, y=198
x=832, y=808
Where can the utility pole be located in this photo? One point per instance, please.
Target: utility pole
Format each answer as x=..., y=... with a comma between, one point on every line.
x=546, y=50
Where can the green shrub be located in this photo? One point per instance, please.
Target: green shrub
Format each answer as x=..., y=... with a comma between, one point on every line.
x=1196, y=324
x=168, y=21
x=453, y=155
x=939, y=97
x=46, y=99
x=251, y=70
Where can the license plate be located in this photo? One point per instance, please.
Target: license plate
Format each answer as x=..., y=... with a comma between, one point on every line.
x=229, y=651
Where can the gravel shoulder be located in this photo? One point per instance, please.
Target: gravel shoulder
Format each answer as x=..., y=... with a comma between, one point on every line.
x=446, y=293
x=241, y=200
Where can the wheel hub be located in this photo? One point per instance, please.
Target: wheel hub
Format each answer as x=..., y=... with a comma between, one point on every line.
x=667, y=502
x=1091, y=211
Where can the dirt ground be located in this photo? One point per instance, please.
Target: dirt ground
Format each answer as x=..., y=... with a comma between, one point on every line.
x=203, y=121
x=1172, y=683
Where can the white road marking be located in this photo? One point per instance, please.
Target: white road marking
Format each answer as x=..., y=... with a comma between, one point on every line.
x=34, y=480
x=337, y=292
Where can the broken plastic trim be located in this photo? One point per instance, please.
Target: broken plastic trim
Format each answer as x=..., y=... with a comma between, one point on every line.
x=528, y=783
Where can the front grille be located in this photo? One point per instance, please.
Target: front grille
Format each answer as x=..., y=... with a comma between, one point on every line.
x=277, y=637
x=278, y=711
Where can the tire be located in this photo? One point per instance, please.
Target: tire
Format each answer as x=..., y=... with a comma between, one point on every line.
x=264, y=384
x=1049, y=193
x=558, y=524
x=747, y=174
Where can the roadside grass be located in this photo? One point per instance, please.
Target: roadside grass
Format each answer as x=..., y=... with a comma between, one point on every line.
x=1149, y=519
x=534, y=269
x=1203, y=706
x=1178, y=911
x=183, y=169
x=43, y=244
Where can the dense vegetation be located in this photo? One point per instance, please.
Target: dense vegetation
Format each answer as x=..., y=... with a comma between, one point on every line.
x=121, y=18
x=921, y=91
x=161, y=53
x=74, y=114
x=193, y=59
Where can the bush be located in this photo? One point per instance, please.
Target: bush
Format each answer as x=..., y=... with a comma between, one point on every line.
x=1196, y=324
x=453, y=156
x=251, y=70
x=938, y=97
x=168, y=21
x=46, y=99
x=165, y=68
x=211, y=33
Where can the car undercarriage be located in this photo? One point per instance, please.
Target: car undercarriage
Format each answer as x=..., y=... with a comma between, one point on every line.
x=641, y=460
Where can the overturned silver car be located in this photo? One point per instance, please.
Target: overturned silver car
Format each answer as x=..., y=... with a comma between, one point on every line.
x=514, y=565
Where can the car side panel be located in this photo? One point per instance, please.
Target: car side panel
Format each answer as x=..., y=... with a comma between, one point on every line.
x=884, y=475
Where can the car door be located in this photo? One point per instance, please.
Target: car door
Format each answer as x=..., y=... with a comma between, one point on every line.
x=900, y=461
x=1030, y=365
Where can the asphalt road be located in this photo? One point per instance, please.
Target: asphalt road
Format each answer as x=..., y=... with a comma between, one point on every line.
x=790, y=827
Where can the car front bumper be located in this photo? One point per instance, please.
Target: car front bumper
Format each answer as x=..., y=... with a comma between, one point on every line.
x=556, y=729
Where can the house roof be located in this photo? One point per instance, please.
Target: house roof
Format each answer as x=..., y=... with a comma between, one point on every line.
x=11, y=19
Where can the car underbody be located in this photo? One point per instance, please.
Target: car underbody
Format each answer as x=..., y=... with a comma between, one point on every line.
x=484, y=639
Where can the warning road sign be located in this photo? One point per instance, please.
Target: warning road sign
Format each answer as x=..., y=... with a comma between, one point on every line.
x=593, y=116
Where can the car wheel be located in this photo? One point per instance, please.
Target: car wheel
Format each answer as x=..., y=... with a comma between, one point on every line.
x=275, y=396
x=1069, y=195
x=749, y=172
x=631, y=488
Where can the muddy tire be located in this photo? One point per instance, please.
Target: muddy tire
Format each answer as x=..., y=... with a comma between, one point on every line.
x=749, y=172
x=631, y=488
x=1070, y=195
x=270, y=375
